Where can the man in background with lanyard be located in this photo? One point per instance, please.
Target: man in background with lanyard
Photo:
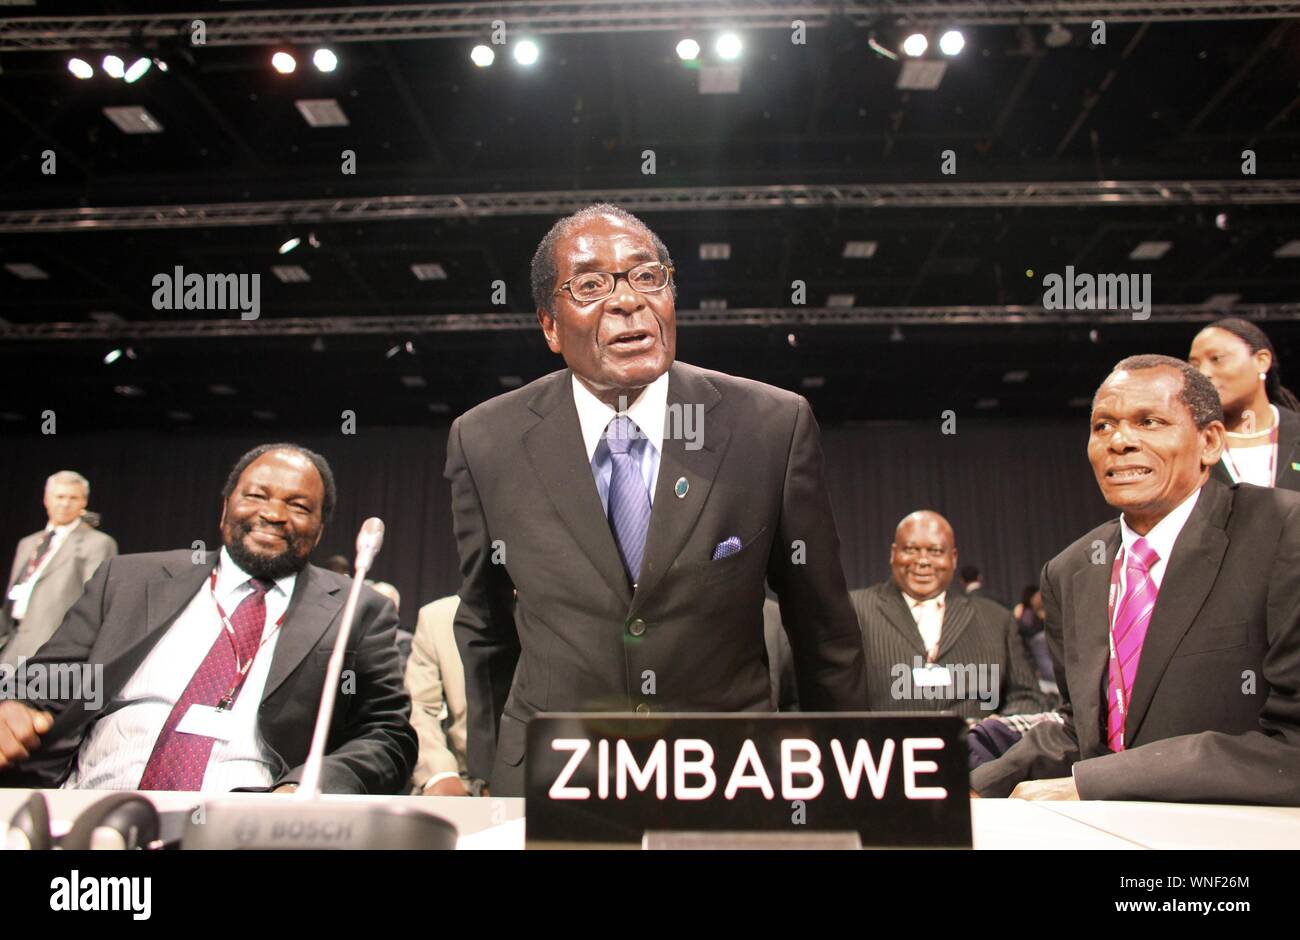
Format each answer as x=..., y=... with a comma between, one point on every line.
x=1176, y=626
x=51, y=568
x=213, y=664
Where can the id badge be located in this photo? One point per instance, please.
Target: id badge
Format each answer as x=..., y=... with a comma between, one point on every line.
x=207, y=722
x=20, y=594
x=931, y=675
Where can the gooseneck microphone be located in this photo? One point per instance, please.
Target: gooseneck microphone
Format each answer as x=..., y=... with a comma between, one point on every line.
x=308, y=820
x=369, y=540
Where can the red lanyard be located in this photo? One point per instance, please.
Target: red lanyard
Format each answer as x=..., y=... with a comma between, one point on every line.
x=228, y=699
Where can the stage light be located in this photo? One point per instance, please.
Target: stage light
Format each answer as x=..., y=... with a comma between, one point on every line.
x=113, y=66
x=482, y=56
x=112, y=356
x=325, y=60
x=688, y=49
x=81, y=68
x=283, y=63
x=1057, y=37
x=952, y=42
x=162, y=65
x=526, y=52
x=290, y=245
x=728, y=46
x=915, y=45
x=137, y=70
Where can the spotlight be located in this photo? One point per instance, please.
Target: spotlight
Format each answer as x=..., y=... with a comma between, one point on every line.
x=81, y=68
x=283, y=63
x=728, y=46
x=1057, y=37
x=313, y=240
x=915, y=45
x=952, y=42
x=482, y=56
x=113, y=66
x=112, y=356
x=137, y=70
x=1221, y=221
x=290, y=245
x=325, y=60
x=688, y=49
x=526, y=52
x=162, y=65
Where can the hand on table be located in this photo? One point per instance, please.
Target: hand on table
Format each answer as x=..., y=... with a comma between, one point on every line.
x=448, y=786
x=1056, y=788
x=20, y=731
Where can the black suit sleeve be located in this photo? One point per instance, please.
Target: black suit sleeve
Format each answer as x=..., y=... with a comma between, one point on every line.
x=1023, y=696
x=485, y=628
x=1049, y=749
x=805, y=572
x=377, y=748
x=71, y=644
x=1260, y=766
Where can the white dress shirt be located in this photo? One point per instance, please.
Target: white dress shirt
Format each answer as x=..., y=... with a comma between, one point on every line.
x=928, y=615
x=1251, y=458
x=1161, y=538
x=647, y=411
x=115, y=752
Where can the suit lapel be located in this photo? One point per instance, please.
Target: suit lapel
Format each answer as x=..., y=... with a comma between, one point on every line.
x=899, y=615
x=311, y=610
x=1090, y=587
x=167, y=597
x=672, y=519
x=1189, y=575
x=558, y=455
x=67, y=551
x=1288, y=449
x=958, y=612
x=26, y=545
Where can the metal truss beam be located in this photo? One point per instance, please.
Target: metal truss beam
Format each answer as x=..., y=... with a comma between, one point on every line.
x=667, y=199
x=469, y=19
x=403, y=326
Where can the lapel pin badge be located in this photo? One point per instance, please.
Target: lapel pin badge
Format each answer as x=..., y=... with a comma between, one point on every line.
x=681, y=487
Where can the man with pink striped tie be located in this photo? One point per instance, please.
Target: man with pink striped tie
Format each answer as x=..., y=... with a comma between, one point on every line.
x=1176, y=627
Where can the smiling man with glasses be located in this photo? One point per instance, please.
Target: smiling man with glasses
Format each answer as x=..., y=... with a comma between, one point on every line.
x=639, y=560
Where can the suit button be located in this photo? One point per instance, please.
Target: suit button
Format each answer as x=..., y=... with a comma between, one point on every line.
x=636, y=627
x=643, y=709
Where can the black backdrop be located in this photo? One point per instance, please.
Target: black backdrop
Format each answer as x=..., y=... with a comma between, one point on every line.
x=1015, y=493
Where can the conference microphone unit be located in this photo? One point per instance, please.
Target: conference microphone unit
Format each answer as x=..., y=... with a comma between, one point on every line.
x=308, y=819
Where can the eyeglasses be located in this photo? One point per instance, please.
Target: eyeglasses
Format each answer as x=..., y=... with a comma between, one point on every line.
x=590, y=286
x=911, y=551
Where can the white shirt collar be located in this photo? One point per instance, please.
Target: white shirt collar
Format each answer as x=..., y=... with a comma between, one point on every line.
x=61, y=530
x=913, y=603
x=231, y=578
x=647, y=411
x=1165, y=532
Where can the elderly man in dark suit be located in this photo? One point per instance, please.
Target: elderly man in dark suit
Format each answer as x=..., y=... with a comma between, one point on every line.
x=51, y=568
x=213, y=663
x=1176, y=627
x=929, y=648
x=637, y=505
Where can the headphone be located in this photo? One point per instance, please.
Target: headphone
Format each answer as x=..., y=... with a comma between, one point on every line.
x=120, y=821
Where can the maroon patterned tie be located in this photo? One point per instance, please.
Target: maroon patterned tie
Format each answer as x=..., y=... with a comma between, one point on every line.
x=179, y=761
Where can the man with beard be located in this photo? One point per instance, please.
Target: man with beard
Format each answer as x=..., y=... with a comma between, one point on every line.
x=213, y=662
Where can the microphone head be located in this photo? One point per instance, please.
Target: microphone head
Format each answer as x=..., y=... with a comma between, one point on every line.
x=369, y=540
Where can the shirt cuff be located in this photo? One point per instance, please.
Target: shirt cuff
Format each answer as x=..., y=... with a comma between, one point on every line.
x=444, y=775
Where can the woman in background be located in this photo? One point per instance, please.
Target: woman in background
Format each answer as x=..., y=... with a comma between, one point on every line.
x=1260, y=413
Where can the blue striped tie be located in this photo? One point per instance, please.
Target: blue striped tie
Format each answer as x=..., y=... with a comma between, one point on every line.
x=629, y=501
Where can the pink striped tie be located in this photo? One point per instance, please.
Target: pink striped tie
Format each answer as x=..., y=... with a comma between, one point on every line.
x=1130, y=630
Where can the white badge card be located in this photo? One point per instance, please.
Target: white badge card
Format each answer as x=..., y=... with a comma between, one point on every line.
x=20, y=594
x=207, y=722
x=931, y=675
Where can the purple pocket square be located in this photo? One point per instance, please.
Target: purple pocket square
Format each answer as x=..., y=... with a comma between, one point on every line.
x=726, y=547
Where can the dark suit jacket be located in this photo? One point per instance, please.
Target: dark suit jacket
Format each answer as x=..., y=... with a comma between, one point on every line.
x=1288, y=453
x=133, y=599
x=983, y=592
x=581, y=639
x=975, y=632
x=1215, y=714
